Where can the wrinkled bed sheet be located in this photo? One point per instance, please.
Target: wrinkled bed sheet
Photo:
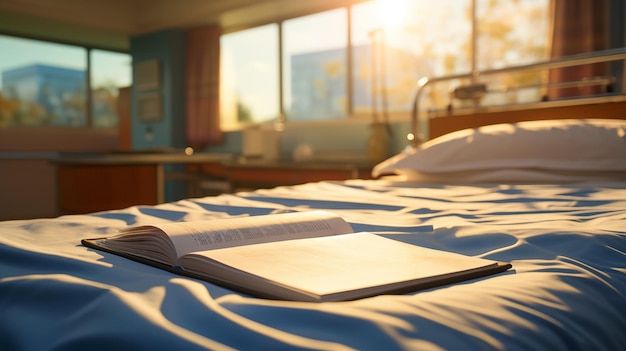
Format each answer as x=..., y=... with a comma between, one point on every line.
x=566, y=290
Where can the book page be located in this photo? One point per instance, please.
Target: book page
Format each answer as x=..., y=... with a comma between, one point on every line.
x=220, y=233
x=344, y=266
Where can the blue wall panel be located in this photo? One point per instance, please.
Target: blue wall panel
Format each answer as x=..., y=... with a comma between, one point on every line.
x=168, y=49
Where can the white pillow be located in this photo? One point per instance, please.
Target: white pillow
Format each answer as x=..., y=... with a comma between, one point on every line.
x=552, y=145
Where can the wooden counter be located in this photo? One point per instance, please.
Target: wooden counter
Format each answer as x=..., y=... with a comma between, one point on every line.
x=97, y=182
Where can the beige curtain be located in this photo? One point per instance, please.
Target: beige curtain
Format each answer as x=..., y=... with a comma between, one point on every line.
x=579, y=26
x=202, y=86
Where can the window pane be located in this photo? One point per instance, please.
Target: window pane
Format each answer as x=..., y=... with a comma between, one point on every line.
x=109, y=72
x=512, y=33
x=249, y=77
x=314, y=66
x=42, y=83
x=409, y=40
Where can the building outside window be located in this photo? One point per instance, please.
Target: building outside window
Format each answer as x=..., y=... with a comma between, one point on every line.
x=315, y=66
x=45, y=84
x=47, y=95
x=317, y=85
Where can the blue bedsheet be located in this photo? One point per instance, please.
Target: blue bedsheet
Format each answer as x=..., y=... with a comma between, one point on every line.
x=566, y=290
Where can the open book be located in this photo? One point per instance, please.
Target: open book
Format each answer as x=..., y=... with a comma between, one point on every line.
x=302, y=256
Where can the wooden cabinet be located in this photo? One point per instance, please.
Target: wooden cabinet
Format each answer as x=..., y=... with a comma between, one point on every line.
x=91, y=183
x=91, y=188
x=98, y=182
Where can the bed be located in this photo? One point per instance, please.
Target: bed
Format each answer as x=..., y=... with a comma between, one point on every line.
x=553, y=205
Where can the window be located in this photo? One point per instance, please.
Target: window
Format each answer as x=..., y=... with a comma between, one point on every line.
x=45, y=84
x=315, y=66
x=512, y=33
x=109, y=72
x=415, y=39
x=330, y=71
x=249, y=77
x=395, y=43
x=42, y=83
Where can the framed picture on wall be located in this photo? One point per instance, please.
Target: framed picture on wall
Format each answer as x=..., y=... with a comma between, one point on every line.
x=149, y=107
x=147, y=75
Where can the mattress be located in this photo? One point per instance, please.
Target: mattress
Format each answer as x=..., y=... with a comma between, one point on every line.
x=566, y=290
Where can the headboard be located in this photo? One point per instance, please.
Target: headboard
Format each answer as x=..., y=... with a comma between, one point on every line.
x=610, y=105
x=613, y=107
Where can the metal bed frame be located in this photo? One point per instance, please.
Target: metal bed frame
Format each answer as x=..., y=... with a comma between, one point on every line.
x=476, y=90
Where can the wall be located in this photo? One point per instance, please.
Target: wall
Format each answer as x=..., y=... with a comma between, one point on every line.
x=46, y=29
x=27, y=174
x=168, y=132
x=338, y=140
x=346, y=139
x=27, y=187
x=168, y=49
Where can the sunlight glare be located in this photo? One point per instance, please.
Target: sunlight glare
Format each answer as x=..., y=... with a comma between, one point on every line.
x=390, y=13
